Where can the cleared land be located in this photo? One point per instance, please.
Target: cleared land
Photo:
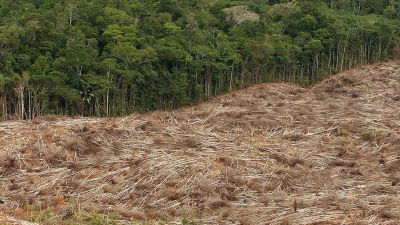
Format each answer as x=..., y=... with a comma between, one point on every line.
x=269, y=154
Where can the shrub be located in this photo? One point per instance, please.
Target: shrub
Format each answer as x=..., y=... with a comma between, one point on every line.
x=369, y=135
x=322, y=96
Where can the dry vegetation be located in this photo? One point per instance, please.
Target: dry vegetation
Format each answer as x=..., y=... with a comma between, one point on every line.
x=270, y=154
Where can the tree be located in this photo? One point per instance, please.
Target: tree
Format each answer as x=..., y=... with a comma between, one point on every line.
x=21, y=83
x=3, y=107
x=116, y=16
x=80, y=52
x=71, y=12
x=110, y=66
x=240, y=14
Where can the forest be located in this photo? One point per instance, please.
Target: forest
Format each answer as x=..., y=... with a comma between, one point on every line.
x=115, y=57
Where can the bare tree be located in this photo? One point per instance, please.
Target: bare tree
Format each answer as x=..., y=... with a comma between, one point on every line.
x=71, y=11
x=240, y=14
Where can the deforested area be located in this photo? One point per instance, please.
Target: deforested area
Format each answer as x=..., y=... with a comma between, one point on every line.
x=112, y=58
x=273, y=153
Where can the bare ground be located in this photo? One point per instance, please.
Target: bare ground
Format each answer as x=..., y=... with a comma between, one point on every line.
x=269, y=154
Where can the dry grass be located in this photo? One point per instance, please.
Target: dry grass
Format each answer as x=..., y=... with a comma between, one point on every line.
x=270, y=154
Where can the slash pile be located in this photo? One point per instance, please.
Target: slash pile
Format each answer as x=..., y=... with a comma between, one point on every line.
x=269, y=154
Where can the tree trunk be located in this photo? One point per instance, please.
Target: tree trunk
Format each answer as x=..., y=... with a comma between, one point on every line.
x=21, y=90
x=231, y=78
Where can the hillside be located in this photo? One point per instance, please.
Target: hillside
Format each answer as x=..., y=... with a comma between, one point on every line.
x=270, y=154
x=117, y=57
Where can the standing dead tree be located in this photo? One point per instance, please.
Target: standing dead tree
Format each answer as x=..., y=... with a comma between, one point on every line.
x=240, y=14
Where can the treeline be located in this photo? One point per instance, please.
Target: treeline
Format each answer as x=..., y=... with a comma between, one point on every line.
x=115, y=57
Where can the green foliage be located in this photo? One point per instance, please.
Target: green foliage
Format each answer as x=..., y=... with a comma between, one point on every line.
x=41, y=215
x=96, y=219
x=2, y=83
x=322, y=96
x=186, y=220
x=342, y=132
x=369, y=135
x=111, y=58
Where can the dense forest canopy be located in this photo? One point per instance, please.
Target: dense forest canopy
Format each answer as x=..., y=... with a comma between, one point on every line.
x=115, y=57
